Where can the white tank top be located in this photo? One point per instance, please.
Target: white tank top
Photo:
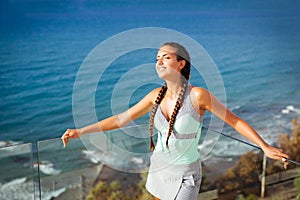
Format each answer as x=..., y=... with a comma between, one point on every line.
x=183, y=142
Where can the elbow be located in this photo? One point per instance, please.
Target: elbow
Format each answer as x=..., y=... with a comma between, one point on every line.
x=121, y=120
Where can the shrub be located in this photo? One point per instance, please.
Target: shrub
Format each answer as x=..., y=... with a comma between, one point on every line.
x=247, y=169
x=244, y=173
x=297, y=186
x=113, y=191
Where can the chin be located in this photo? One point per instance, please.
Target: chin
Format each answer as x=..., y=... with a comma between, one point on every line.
x=164, y=76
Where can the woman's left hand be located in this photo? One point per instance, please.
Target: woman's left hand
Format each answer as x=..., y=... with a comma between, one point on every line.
x=277, y=154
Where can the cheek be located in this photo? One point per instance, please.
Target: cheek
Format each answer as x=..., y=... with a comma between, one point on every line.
x=171, y=63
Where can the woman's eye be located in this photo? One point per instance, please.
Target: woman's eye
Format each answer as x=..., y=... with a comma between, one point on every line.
x=164, y=58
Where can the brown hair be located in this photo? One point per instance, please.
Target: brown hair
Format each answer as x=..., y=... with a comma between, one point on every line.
x=182, y=54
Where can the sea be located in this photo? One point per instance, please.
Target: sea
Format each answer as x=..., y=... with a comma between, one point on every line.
x=254, y=45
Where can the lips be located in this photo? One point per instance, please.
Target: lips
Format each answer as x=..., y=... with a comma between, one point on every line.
x=161, y=68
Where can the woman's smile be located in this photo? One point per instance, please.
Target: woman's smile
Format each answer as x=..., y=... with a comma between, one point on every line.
x=162, y=68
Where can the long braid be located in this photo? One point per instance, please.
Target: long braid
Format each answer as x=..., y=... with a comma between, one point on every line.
x=178, y=105
x=159, y=98
x=182, y=54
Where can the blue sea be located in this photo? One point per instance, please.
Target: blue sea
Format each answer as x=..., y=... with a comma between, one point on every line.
x=255, y=46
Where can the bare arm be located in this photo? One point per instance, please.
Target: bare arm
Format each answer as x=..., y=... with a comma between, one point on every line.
x=115, y=121
x=208, y=101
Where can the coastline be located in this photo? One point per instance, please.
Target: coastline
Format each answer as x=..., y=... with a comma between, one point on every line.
x=129, y=181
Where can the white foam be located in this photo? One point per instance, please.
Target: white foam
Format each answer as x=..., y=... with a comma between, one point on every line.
x=290, y=107
x=22, y=189
x=285, y=111
x=47, y=168
x=14, y=182
x=137, y=160
x=236, y=107
x=17, y=189
x=91, y=156
x=293, y=109
x=52, y=194
x=206, y=143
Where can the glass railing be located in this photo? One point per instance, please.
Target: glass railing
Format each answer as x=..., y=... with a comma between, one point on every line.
x=65, y=173
x=16, y=172
x=232, y=169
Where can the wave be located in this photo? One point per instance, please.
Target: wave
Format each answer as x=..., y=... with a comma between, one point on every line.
x=23, y=189
x=16, y=189
x=52, y=194
x=132, y=162
x=290, y=108
x=235, y=108
x=46, y=167
x=90, y=155
x=14, y=182
x=136, y=160
x=222, y=148
x=206, y=143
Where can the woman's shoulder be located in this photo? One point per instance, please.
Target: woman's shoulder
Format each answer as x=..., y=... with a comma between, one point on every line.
x=153, y=93
x=200, y=98
x=198, y=91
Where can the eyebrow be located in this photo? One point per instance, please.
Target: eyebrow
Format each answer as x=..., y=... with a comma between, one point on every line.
x=163, y=55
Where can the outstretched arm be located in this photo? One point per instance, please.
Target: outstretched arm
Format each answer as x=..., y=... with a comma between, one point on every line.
x=208, y=101
x=115, y=121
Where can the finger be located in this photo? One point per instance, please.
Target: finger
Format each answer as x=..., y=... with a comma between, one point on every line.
x=285, y=164
x=282, y=154
x=64, y=140
x=65, y=143
x=277, y=157
x=286, y=156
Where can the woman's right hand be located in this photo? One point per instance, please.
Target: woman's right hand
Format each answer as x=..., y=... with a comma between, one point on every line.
x=70, y=133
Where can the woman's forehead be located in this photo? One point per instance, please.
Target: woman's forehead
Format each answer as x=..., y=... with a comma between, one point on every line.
x=167, y=49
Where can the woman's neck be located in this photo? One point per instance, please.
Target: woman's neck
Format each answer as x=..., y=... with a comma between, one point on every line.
x=174, y=89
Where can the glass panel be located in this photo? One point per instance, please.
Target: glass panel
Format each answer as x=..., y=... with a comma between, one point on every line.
x=233, y=169
x=230, y=167
x=65, y=173
x=125, y=149
x=16, y=172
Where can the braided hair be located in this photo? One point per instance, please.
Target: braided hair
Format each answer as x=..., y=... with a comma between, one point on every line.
x=182, y=54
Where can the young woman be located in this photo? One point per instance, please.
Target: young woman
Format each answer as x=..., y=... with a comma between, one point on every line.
x=177, y=110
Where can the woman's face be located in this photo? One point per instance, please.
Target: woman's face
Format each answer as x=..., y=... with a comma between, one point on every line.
x=167, y=65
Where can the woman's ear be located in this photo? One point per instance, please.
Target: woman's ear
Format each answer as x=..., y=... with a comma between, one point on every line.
x=181, y=64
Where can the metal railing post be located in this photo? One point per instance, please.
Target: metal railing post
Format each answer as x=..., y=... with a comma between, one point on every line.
x=263, y=177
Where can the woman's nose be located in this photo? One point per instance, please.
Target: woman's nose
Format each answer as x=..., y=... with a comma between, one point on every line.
x=159, y=61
